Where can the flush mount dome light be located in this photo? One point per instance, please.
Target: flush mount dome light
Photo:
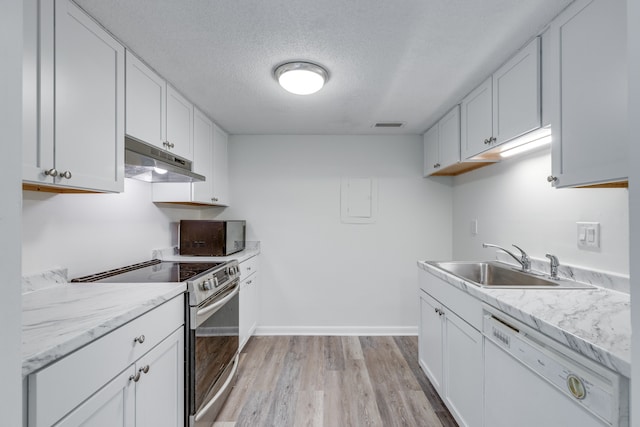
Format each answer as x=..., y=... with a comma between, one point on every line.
x=301, y=78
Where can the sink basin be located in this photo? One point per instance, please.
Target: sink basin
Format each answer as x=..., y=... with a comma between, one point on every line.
x=497, y=275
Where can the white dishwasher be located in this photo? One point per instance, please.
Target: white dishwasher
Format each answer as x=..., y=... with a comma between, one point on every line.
x=531, y=381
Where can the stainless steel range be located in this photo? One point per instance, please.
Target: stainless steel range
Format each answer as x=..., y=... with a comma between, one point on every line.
x=211, y=326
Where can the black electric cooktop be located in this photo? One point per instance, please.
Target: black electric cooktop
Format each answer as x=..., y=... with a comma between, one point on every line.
x=152, y=271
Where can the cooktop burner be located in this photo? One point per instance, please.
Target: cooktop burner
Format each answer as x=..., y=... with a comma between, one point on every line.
x=152, y=271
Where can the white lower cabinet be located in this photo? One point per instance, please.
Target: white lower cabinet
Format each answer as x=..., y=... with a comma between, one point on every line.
x=248, y=299
x=133, y=376
x=450, y=349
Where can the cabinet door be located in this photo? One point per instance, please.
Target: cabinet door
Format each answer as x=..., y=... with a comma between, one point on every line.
x=589, y=124
x=245, y=312
x=179, y=124
x=517, y=95
x=37, y=125
x=477, y=120
x=220, y=168
x=160, y=389
x=463, y=370
x=449, y=132
x=248, y=308
x=430, y=340
x=253, y=317
x=89, y=102
x=146, y=103
x=431, y=150
x=112, y=406
x=202, y=157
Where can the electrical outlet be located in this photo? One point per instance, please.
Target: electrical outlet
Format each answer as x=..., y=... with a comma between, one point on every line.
x=588, y=235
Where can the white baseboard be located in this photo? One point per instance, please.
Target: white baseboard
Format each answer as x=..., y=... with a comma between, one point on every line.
x=338, y=330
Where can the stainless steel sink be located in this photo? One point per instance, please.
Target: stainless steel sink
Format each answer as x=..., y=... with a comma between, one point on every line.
x=498, y=275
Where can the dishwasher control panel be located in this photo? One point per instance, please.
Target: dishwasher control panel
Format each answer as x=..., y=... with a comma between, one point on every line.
x=592, y=390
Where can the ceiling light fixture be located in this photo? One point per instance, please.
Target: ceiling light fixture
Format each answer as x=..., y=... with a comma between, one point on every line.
x=301, y=78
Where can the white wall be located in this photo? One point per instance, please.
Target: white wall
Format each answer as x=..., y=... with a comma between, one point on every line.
x=633, y=20
x=88, y=233
x=11, y=125
x=316, y=273
x=514, y=203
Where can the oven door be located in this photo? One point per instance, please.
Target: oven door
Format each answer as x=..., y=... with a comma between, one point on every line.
x=213, y=355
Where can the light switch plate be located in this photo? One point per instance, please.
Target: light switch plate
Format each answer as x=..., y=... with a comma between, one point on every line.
x=474, y=227
x=588, y=235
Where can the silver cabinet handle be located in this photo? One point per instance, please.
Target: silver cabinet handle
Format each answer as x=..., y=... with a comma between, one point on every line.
x=139, y=339
x=65, y=174
x=144, y=369
x=487, y=141
x=168, y=144
x=552, y=178
x=249, y=282
x=215, y=199
x=492, y=139
x=135, y=377
x=51, y=172
x=437, y=165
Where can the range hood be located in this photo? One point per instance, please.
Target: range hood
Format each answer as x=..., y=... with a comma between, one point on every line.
x=151, y=164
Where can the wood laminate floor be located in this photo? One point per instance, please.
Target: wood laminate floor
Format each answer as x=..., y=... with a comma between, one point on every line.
x=332, y=381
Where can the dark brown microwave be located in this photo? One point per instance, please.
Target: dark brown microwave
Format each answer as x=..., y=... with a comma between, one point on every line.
x=212, y=238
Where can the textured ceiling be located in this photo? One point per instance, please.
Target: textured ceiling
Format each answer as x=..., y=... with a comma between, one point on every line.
x=389, y=60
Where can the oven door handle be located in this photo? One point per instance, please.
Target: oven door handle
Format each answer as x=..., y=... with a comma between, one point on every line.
x=204, y=312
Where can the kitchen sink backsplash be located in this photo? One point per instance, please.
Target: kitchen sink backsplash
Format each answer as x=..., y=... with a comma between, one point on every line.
x=612, y=281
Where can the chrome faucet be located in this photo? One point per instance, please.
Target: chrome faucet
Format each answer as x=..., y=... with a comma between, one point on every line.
x=523, y=260
x=553, y=266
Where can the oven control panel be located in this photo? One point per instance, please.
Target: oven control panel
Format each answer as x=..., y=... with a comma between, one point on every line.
x=207, y=284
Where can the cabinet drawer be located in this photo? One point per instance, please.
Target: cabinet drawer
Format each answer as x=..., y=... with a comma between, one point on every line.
x=85, y=371
x=248, y=267
x=463, y=304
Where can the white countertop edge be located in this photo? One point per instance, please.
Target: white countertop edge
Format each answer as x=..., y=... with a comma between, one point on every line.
x=172, y=255
x=66, y=311
x=618, y=361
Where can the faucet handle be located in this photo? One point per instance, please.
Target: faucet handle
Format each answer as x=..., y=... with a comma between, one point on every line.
x=553, y=265
x=523, y=253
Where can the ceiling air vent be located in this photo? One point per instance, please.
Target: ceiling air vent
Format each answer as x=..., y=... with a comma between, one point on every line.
x=388, y=125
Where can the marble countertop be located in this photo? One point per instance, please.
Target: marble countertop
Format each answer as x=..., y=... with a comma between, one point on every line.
x=593, y=322
x=59, y=320
x=172, y=254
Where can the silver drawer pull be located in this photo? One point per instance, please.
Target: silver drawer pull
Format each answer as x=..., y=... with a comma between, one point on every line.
x=135, y=377
x=139, y=339
x=51, y=172
x=144, y=369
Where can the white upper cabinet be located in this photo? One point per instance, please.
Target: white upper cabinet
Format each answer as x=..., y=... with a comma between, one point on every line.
x=179, y=124
x=202, y=157
x=79, y=138
x=431, y=139
x=156, y=113
x=442, y=144
x=146, y=103
x=517, y=95
x=589, y=82
x=220, y=167
x=449, y=135
x=505, y=106
x=477, y=120
x=207, y=161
